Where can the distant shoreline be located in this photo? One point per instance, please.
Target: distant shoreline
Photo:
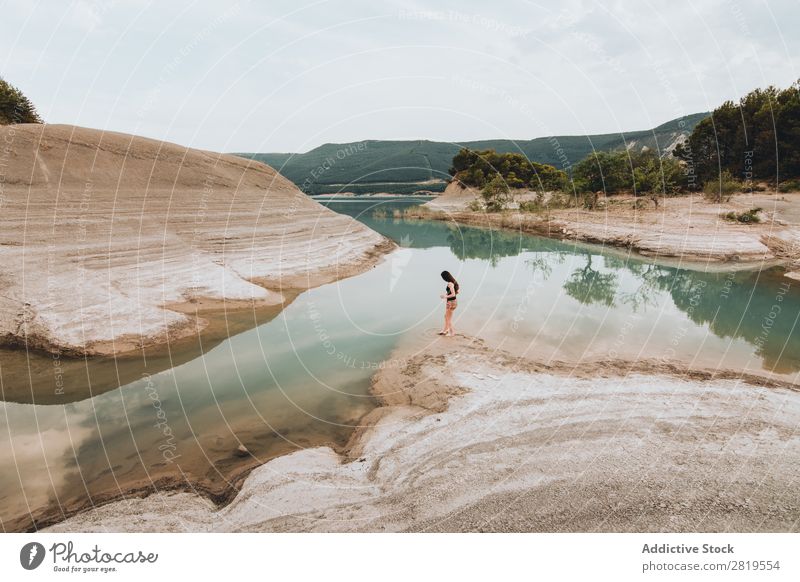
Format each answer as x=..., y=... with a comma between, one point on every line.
x=684, y=231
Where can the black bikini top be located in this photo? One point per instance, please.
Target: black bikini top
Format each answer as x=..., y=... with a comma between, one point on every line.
x=447, y=292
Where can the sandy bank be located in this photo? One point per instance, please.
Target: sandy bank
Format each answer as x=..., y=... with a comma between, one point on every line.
x=109, y=242
x=471, y=439
x=685, y=228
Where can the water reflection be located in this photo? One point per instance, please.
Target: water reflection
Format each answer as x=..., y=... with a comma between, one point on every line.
x=589, y=285
x=491, y=245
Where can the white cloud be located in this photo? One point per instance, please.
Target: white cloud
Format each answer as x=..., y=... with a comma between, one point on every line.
x=293, y=74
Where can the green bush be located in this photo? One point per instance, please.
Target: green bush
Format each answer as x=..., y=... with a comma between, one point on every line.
x=722, y=189
x=529, y=206
x=789, y=186
x=476, y=206
x=15, y=107
x=747, y=217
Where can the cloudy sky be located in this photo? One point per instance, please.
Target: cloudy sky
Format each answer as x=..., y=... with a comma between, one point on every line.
x=291, y=75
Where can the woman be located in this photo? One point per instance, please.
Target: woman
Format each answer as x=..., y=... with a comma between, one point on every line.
x=451, y=290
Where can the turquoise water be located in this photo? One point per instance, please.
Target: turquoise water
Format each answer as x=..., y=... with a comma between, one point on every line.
x=302, y=379
x=574, y=301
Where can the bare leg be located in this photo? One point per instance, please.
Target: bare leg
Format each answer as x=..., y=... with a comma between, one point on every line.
x=448, y=322
x=446, y=314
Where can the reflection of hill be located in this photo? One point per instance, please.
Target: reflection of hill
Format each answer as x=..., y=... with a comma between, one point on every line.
x=420, y=234
x=475, y=243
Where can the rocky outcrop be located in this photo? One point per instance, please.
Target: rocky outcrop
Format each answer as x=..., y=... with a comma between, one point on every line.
x=106, y=238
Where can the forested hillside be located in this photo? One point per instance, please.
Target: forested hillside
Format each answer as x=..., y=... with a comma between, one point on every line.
x=756, y=139
x=404, y=167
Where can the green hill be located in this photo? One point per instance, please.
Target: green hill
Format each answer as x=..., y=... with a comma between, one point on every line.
x=404, y=167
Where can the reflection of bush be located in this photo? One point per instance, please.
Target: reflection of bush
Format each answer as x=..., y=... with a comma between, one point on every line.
x=474, y=243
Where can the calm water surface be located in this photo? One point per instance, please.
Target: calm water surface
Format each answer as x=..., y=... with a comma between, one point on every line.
x=302, y=378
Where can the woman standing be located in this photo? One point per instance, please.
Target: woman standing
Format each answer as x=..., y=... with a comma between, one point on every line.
x=451, y=290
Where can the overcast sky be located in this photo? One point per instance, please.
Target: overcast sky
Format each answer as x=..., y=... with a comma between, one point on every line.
x=291, y=75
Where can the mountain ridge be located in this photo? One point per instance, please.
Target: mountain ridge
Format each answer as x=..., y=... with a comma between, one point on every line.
x=407, y=166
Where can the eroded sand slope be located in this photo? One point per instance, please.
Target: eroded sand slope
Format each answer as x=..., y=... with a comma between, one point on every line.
x=101, y=232
x=473, y=439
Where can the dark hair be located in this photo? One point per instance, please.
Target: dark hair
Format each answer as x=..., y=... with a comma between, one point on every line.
x=450, y=279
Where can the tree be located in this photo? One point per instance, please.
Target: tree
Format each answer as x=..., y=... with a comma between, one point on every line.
x=15, y=107
x=496, y=194
x=757, y=138
x=609, y=172
x=513, y=181
x=476, y=168
x=463, y=160
x=788, y=126
x=643, y=174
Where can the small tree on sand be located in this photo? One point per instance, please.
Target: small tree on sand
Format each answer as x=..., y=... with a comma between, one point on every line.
x=496, y=194
x=721, y=189
x=15, y=107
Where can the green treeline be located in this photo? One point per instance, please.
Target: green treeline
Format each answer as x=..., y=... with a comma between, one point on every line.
x=478, y=168
x=15, y=107
x=642, y=173
x=756, y=139
x=741, y=144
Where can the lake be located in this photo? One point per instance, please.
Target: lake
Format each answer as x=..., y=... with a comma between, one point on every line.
x=175, y=417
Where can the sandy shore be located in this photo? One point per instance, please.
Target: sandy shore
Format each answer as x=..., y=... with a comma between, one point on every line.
x=683, y=228
x=111, y=242
x=474, y=439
